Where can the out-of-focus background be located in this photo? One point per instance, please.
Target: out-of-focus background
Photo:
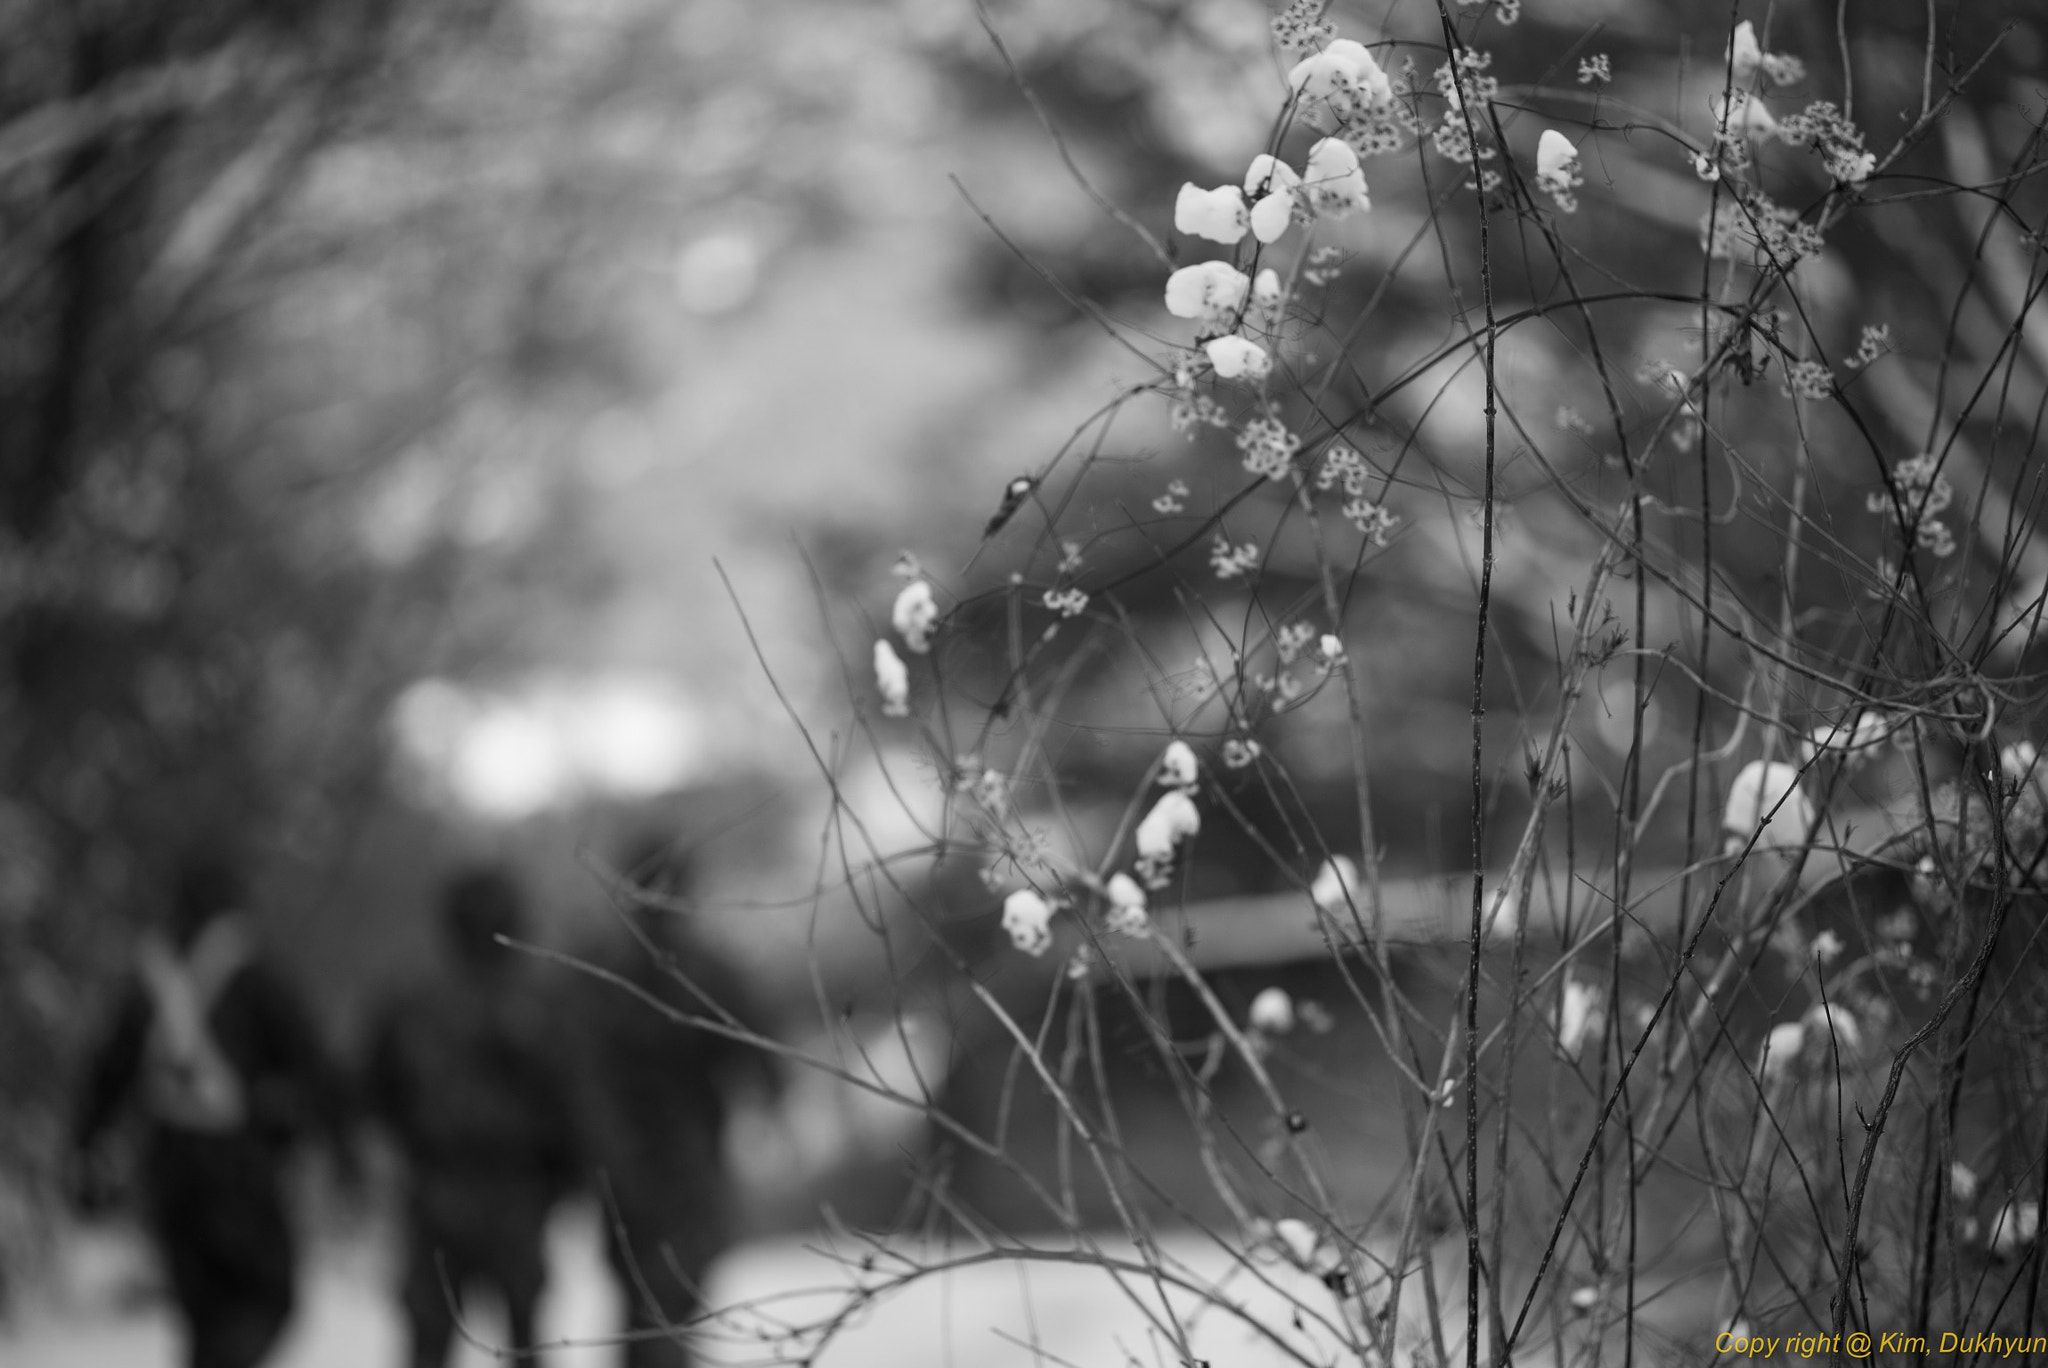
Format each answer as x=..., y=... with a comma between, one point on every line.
x=426, y=429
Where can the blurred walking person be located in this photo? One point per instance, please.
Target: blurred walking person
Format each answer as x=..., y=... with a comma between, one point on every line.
x=657, y=1093
x=466, y=1073
x=218, y=1055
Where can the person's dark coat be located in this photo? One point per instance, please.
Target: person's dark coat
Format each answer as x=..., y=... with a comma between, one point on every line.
x=220, y=1059
x=655, y=1098
x=468, y=1074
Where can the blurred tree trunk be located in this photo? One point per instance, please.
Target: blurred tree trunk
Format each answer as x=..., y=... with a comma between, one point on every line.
x=126, y=698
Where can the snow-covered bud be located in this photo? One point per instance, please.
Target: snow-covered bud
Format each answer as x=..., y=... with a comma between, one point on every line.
x=1504, y=914
x=1208, y=291
x=1237, y=358
x=1761, y=789
x=1581, y=1011
x=1336, y=884
x=1177, y=765
x=1272, y=1012
x=1298, y=1239
x=1218, y=215
x=992, y=791
x=1836, y=1020
x=1240, y=751
x=1272, y=183
x=1271, y=217
x=2019, y=763
x=1172, y=820
x=1554, y=153
x=1127, y=914
x=1836, y=1033
x=1266, y=294
x=1345, y=75
x=1744, y=114
x=915, y=614
x=1782, y=1050
x=1746, y=55
x=1335, y=182
x=1848, y=743
x=2016, y=1226
x=892, y=679
x=1557, y=169
x=1028, y=919
x=1268, y=175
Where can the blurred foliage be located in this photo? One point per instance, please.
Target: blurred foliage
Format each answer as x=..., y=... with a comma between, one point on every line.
x=324, y=327
x=256, y=356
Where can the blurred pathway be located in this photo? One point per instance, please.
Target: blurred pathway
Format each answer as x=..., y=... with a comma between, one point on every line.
x=1043, y=1315
x=346, y=1317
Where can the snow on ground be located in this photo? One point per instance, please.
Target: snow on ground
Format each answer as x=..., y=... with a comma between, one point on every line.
x=1043, y=1314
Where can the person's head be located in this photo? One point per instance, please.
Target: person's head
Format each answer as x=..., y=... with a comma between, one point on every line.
x=478, y=907
x=207, y=886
